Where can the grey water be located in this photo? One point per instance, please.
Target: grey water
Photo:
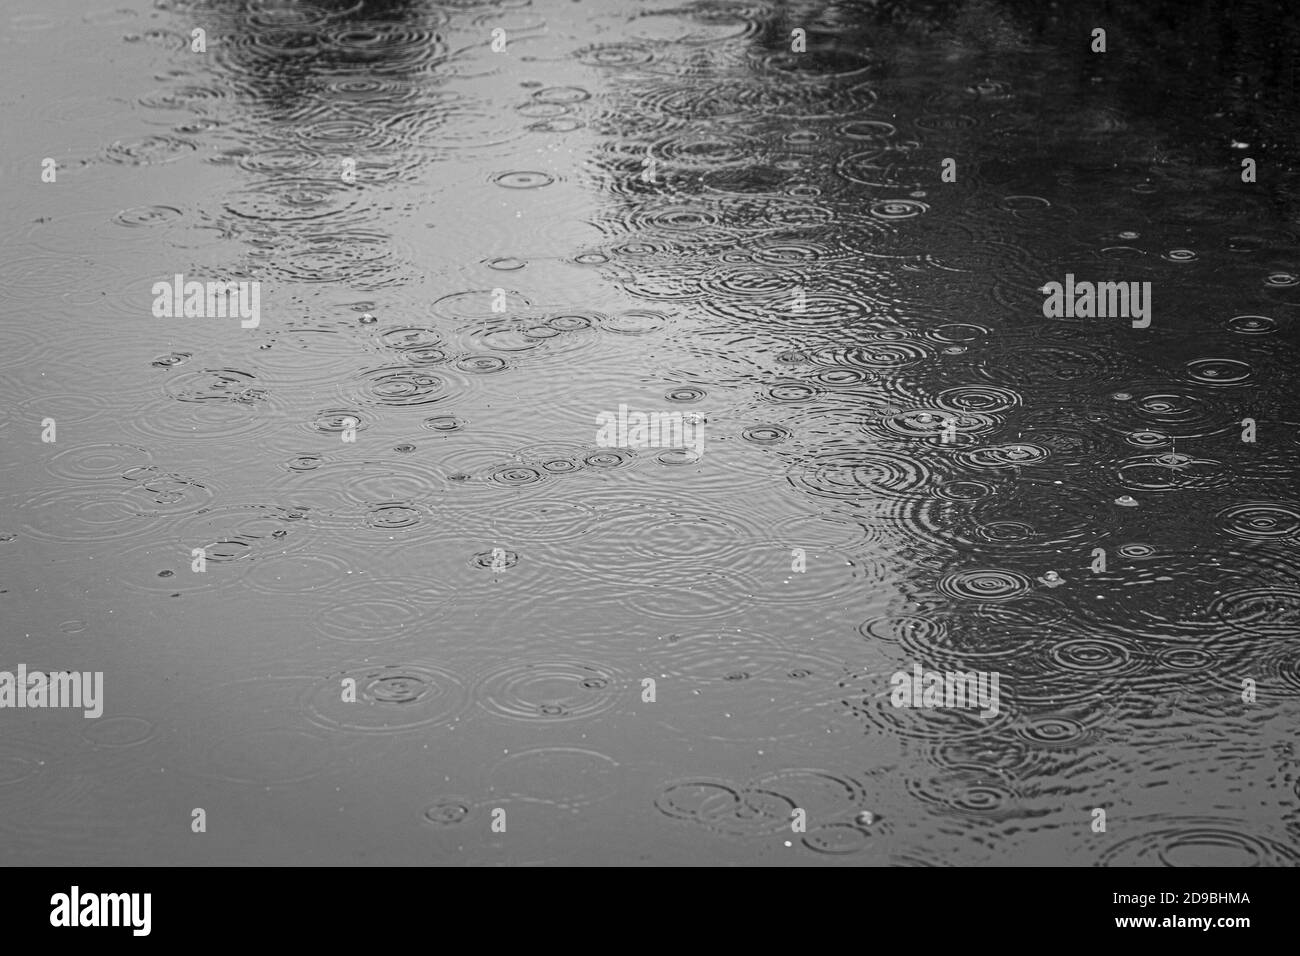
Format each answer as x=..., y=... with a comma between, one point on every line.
x=367, y=584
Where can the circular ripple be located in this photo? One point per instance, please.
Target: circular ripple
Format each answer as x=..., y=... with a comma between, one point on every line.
x=724, y=808
x=86, y=513
x=1055, y=732
x=447, y=811
x=516, y=475
x=293, y=200
x=561, y=94
x=401, y=386
x=969, y=792
x=337, y=420
x=859, y=473
x=1198, y=841
x=150, y=150
x=749, y=280
x=548, y=521
x=495, y=560
x=1004, y=456
x=1174, y=413
x=1260, y=520
x=842, y=377
x=702, y=150
x=389, y=699
x=685, y=393
x=171, y=360
x=636, y=322
x=120, y=731
x=481, y=364
x=965, y=490
x=477, y=305
x=931, y=424
x=1147, y=439
x=1136, y=550
x=823, y=795
x=359, y=615
x=885, y=355
x=98, y=461
x=765, y=434
x=985, y=584
x=1267, y=612
x=1171, y=472
x=549, y=691
x=297, y=574
x=1187, y=659
x=394, y=516
x=615, y=55
x=147, y=216
x=893, y=209
x=919, y=635
x=410, y=337
x=977, y=398
x=792, y=393
x=1094, y=655
x=838, y=839
x=1223, y=372
x=444, y=424
x=523, y=179
x=1252, y=324
x=230, y=532
x=215, y=386
x=575, y=321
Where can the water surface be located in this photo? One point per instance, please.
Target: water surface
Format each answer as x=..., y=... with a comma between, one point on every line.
x=468, y=254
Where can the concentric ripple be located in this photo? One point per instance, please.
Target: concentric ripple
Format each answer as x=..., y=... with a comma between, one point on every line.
x=1004, y=456
x=1265, y=612
x=1261, y=520
x=1252, y=324
x=985, y=584
x=1218, y=371
x=859, y=473
x=402, y=386
x=765, y=434
x=1199, y=842
x=1095, y=655
x=523, y=179
x=98, y=461
x=725, y=808
x=387, y=699
x=563, y=690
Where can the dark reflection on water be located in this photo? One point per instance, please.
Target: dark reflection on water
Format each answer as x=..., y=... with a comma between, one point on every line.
x=466, y=255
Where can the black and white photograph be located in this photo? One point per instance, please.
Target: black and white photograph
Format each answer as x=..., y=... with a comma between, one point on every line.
x=650, y=433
